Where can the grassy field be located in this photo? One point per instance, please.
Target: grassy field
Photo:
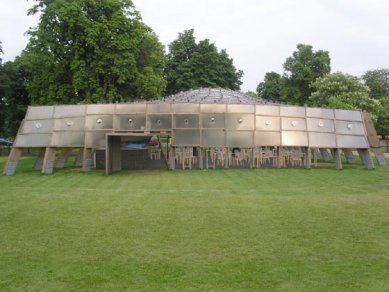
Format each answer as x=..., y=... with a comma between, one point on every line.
x=215, y=230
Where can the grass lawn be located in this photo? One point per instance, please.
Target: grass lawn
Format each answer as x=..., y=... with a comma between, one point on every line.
x=212, y=230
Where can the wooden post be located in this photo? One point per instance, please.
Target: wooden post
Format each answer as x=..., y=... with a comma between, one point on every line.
x=349, y=155
x=201, y=157
x=79, y=158
x=87, y=160
x=307, y=158
x=63, y=157
x=39, y=160
x=12, y=162
x=172, y=159
x=366, y=158
x=48, y=161
x=324, y=153
x=338, y=160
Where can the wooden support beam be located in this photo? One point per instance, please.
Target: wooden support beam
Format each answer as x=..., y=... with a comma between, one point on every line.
x=79, y=158
x=48, y=161
x=87, y=161
x=379, y=155
x=349, y=155
x=307, y=158
x=39, y=160
x=365, y=156
x=201, y=157
x=325, y=155
x=338, y=160
x=172, y=159
x=12, y=161
x=63, y=157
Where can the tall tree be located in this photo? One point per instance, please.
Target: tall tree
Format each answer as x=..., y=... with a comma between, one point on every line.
x=382, y=124
x=92, y=51
x=302, y=69
x=193, y=65
x=378, y=82
x=271, y=87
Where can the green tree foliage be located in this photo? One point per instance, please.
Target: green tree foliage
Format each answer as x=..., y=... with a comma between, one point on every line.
x=301, y=70
x=194, y=65
x=92, y=51
x=271, y=87
x=378, y=82
x=382, y=124
x=342, y=91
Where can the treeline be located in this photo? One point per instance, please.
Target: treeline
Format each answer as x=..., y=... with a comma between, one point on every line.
x=86, y=51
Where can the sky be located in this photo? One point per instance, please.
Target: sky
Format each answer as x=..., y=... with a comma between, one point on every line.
x=258, y=34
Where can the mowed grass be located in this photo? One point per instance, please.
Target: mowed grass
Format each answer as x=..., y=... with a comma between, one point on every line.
x=210, y=230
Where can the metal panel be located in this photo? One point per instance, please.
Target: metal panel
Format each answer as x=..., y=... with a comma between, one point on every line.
x=213, y=120
x=95, y=139
x=39, y=112
x=158, y=108
x=213, y=138
x=98, y=122
x=239, y=138
x=322, y=140
x=292, y=111
x=160, y=122
x=100, y=109
x=267, y=110
x=293, y=124
x=62, y=139
x=348, y=115
x=186, y=121
x=292, y=138
x=130, y=108
x=323, y=113
x=65, y=111
x=349, y=128
x=320, y=125
x=268, y=123
x=132, y=122
x=32, y=140
x=213, y=108
x=186, y=137
x=185, y=107
x=240, y=121
x=345, y=141
x=69, y=124
x=241, y=108
x=267, y=139
x=38, y=126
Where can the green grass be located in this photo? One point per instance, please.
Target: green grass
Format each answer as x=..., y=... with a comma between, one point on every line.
x=211, y=230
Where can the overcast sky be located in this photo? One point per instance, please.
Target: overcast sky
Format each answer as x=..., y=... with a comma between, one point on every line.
x=258, y=34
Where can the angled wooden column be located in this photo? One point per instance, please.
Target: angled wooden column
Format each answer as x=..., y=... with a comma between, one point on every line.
x=349, y=155
x=201, y=157
x=324, y=154
x=87, y=160
x=48, y=161
x=12, y=161
x=365, y=156
x=379, y=155
x=338, y=160
x=63, y=157
x=79, y=158
x=307, y=158
x=39, y=160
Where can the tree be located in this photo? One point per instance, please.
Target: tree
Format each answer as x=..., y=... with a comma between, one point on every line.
x=270, y=88
x=92, y=51
x=301, y=70
x=342, y=91
x=378, y=82
x=193, y=65
x=382, y=124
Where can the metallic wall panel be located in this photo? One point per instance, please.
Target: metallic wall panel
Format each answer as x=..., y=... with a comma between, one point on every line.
x=65, y=111
x=68, y=139
x=132, y=122
x=185, y=107
x=186, y=121
x=69, y=124
x=213, y=138
x=345, y=141
x=158, y=108
x=320, y=125
x=38, y=126
x=348, y=115
x=292, y=111
x=130, y=108
x=268, y=123
x=216, y=120
x=160, y=122
x=323, y=113
x=95, y=139
x=241, y=108
x=292, y=138
x=99, y=122
x=322, y=140
x=239, y=138
x=293, y=124
x=267, y=110
x=213, y=108
x=186, y=138
x=267, y=139
x=32, y=140
x=240, y=121
x=39, y=112
x=349, y=128
x=100, y=109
